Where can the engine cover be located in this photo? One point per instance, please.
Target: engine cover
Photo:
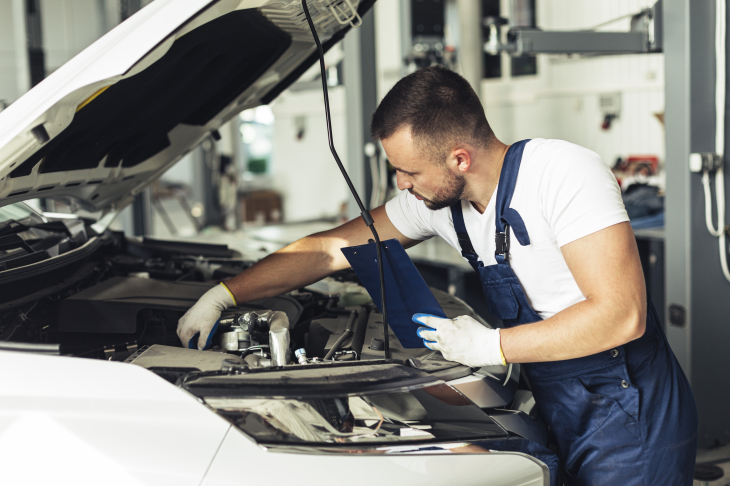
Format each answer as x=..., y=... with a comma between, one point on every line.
x=112, y=306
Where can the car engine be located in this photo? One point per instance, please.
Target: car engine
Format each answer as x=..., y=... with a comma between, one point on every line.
x=112, y=296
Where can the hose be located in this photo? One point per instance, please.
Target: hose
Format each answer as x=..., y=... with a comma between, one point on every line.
x=720, y=93
x=52, y=349
x=346, y=334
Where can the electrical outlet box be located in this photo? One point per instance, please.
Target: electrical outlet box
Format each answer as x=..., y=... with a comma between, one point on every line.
x=610, y=104
x=705, y=161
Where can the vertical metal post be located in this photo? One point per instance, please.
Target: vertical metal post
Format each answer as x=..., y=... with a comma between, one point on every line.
x=694, y=279
x=210, y=177
x=36, y=54
x=109, y=14
x=406, y=39
x=361, y=98
x=678, y=128
x=20, y=44
x=142, y=213
x=127, y=8
x=471, y=55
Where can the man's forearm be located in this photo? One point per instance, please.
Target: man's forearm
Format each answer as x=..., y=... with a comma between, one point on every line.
x=582, y=329
x=297, y=265
x=309, y=259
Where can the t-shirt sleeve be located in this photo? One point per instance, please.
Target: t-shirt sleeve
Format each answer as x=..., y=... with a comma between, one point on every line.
x=579, y=195
x=410, y=216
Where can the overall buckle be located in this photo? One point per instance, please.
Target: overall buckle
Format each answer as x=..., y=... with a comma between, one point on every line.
x=467, y=250
x=502, y=242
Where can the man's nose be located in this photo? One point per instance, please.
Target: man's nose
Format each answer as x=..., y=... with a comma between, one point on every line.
x=403, y=184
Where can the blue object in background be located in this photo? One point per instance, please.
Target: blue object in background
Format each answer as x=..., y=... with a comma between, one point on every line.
x=406, y=291
x=647, y=222
x=193, y=343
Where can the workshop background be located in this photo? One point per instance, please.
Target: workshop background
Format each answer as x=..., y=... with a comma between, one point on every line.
x=268, y=178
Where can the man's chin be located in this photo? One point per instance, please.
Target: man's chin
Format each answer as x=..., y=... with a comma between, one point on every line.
x=437, y=205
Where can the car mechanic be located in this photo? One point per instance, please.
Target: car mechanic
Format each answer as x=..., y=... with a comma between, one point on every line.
x=598, y=363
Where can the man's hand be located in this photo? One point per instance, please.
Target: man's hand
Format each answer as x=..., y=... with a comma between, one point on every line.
x=203, y=315
x=463, y=340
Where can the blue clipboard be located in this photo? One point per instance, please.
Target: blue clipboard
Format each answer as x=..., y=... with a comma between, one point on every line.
x=406, y=293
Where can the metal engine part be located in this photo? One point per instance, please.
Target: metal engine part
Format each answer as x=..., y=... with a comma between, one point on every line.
x=252, y=328
x=159, y=356
x=238, y=338
x=279, y=338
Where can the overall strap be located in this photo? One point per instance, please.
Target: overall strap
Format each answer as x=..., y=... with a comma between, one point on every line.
x=467, y=249
x=507, y=217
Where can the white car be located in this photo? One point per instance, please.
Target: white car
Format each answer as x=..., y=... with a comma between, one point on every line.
x=95, y=387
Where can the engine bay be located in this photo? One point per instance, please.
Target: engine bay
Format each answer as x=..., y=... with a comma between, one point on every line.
x=111, y=296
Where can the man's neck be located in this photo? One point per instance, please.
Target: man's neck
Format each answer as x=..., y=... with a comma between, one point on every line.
x=484, y=179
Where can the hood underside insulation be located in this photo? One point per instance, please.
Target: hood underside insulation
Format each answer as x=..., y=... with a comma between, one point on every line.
x=202, y=73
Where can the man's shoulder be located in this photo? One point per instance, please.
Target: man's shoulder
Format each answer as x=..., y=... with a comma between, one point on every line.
x=546, y=149
x=559, y=158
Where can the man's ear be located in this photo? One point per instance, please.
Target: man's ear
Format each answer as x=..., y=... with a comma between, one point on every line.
x=461, y=159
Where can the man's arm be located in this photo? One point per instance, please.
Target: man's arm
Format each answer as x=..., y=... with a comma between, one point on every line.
x=310, y=259
x=299, y=264
x=608, y=272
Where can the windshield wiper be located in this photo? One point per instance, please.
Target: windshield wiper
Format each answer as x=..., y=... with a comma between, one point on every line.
x=12, y=227
x=11, y=242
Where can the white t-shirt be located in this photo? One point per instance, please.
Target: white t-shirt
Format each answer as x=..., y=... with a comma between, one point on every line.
x=563, y=192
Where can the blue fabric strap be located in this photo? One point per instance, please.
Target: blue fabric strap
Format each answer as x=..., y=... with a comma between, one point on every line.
x=505, y=215
x=507, y=181
x=467, y=249
x=514, y=220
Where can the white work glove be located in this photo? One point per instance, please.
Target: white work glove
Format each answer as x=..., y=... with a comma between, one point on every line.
x=203, y=315
x=463, y=340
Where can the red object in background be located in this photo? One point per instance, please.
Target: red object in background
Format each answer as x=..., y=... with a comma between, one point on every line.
x=635, y=166
x=607, y=120
x=640, y=163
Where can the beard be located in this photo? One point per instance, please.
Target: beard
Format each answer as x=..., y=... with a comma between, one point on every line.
x=448, y=194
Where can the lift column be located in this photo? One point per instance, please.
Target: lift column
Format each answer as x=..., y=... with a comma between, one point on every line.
x=697, y=293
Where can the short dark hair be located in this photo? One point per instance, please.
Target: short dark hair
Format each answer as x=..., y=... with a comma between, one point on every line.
x=440, y=108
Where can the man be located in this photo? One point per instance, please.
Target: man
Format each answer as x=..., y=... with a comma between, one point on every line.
x=562, y=273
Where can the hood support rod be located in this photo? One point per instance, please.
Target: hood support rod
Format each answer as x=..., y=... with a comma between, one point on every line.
x=363, y=211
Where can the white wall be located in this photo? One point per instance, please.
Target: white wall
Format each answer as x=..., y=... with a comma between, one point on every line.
x=388, y=52
x=562, y=100
x=69, y=27
x=14, y=70
x=303, y=170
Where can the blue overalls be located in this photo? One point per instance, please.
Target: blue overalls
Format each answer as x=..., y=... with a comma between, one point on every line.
x=625, y=416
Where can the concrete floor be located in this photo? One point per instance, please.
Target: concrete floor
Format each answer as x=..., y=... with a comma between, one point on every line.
x=719, y=457
x=720, y=482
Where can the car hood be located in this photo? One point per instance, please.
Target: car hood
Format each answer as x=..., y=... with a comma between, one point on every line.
x=115, y=117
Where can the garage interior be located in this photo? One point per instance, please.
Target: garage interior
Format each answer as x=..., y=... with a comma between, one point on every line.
x=640, y=82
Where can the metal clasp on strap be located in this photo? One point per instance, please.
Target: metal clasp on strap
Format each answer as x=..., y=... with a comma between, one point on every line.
x=501, y=241
x=467, y=250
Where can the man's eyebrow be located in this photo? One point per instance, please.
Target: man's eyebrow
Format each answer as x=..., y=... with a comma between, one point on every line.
x=401, y=170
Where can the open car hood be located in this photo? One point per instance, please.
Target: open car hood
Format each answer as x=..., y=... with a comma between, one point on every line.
x=115, y=117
